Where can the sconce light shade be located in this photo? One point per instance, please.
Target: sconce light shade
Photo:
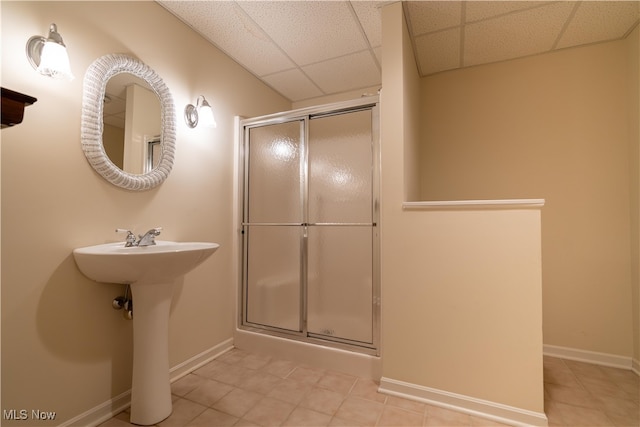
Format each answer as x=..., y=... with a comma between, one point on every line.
x=49, y=55
x=199, y=113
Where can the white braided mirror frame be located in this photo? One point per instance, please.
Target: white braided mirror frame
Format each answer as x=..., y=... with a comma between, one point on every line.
x=94, y=86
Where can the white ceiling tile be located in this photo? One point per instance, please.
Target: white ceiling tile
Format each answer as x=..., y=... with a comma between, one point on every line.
x=428, y=16
x=308, y=31
x=478, y=10
x=515, y=35
x=231, y=30
x=370, y=18
x=438, y=51
x=336, y=75
x=293, y=84
x=597, y=21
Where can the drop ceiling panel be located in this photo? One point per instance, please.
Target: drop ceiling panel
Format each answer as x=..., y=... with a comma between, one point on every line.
x=426, y=17
x=368, y=13
x=305, y=49
x=438, y=51
x=595, y=21
x=515, y=35
x=233, y=32
x=480, y=10
x=308, y=31
x=358, y=70
x=293, y=84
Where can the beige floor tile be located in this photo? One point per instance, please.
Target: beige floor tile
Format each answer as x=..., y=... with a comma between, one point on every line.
x=562, y=377
x=209, y=392
x=183, y=412
x=394, y=416
x=623, y=407
x=306, y=417
x=279, y=368
x=483, y=422
x=269, y=412
x=231, y=374
x=237, y=402
x=407, y=404
x=290, y=391
x=246, y=423
x=362, y=411
x=622, y=421
x=260, y=382
x=580, y=416
x=211, y=418
x=571, y=396
x=339, y=422
x=322, y=400
x=368, y=389
x=605, y=387
x=337, y=381
x=254, y=361
x=447, y=416
x=253, y=390
x=186, y=384
x=432, y=421
x=115, y=422
x=306, y=374
x=585, y=370
x=210, y=369
x=232, y=356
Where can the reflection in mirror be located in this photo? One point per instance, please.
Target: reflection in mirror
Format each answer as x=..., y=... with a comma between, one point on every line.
x=147, y=161
x=131, y=123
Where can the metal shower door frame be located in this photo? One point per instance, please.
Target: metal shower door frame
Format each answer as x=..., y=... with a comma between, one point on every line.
x=303, y=116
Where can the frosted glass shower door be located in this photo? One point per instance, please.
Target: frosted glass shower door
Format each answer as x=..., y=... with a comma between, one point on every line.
x=341, y=227
x=272, y=228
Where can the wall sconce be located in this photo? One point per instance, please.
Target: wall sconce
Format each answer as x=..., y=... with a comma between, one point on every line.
x=199, y=113
x=49, y=55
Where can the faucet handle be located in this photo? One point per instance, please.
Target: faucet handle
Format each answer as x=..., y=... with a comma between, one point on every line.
x=131, y=238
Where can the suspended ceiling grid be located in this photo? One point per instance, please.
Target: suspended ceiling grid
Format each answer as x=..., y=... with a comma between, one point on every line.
x=306, y=49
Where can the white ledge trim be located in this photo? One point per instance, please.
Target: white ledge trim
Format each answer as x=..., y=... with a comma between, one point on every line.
x=475, y=204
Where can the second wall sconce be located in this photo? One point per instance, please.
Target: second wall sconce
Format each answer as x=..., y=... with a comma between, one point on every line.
x=49, y=55
x=199, y=113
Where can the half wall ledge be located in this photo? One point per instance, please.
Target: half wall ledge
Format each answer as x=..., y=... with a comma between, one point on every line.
x=475, y=204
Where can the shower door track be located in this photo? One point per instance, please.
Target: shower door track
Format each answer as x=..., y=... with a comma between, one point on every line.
x=303, y=335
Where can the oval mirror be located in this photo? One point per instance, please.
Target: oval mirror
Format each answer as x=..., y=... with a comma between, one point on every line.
x=140, y=156
x=131, y=124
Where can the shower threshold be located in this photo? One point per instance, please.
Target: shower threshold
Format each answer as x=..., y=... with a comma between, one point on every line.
x=350, y=359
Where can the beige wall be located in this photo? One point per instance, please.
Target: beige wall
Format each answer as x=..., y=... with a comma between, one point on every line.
x=633, y=46
x=64, y=348
x=553, y=126
x=461, y=290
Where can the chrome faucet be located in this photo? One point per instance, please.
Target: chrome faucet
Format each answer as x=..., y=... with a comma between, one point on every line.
x=148, y=239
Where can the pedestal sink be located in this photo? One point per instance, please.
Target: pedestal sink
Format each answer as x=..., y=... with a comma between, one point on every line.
x=151, y=272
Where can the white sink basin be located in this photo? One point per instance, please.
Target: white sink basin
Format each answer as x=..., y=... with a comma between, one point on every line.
x=151, y=272
x=165, y=261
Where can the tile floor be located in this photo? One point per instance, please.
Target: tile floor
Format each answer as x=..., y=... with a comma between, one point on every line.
x=244, y=389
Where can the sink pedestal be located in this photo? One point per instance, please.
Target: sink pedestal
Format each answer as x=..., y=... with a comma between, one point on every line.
x=151, y=272
x=150, y=387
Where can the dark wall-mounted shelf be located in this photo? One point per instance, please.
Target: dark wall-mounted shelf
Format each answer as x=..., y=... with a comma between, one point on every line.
x=13, y=104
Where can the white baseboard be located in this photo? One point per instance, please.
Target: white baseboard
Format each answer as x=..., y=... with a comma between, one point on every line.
x=477, y=407
x=112, y=407
x=199, y=360
x=604, y=359
x=635, y=366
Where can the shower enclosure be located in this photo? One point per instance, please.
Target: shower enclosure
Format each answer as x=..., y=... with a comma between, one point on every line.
x=310, y=267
